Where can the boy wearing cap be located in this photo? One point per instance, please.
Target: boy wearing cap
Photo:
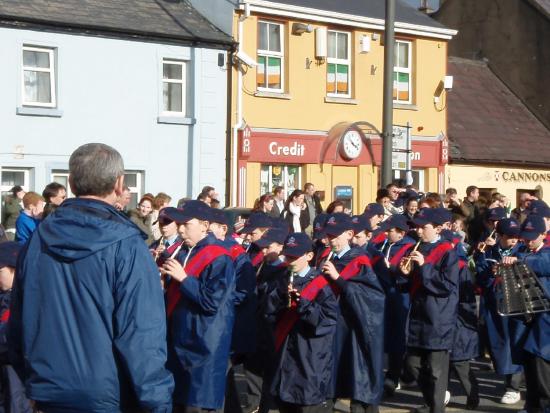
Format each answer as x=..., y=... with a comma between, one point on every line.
x=256, y=225
x=397, y=246
x=12, y=389
x=487, y=238
x=307, y=313
x=434, y=303
x=200, y=309
x=170, y=242
x=536, y=344
x=359, y=342
x=503, y=333
x=539, y=207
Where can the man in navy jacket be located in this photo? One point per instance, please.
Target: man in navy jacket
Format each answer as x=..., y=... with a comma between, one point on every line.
x=87, y=328
x=434, y=306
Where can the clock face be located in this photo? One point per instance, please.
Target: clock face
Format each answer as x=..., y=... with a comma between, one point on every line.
x=351, y=145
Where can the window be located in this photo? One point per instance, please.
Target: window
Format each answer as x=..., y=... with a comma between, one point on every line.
x=38, y=77
x=134, y=181
x=269, y=73
x=173, y=87
x=417, y=176
x=287, y=176
x=9, y=177
x=338, y=64
x=402, y=72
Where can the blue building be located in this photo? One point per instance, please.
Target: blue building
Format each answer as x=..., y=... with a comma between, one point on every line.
x=146, y=77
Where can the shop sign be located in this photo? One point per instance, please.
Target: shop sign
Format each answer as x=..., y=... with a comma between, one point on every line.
x=271, y=147
x=507, y=176
x=444, y=150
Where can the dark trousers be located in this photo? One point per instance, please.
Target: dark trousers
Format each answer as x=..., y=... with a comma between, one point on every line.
x=359, y=407
x=512, y=382
x=397, y=370
x=285, y=407
x=537, y=380
x=430, y=368
x=466, y=377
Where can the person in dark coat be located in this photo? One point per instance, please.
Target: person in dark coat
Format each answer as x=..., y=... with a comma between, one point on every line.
x=536, y=343
x=434, y=305
x=359, y=341
x=102, y=296
x=307, y=313
x=397, y=299
x=503, y=333
x=12, y=391
x=200, y=308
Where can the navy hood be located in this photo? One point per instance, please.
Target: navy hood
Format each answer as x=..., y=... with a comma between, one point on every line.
x=81, y=226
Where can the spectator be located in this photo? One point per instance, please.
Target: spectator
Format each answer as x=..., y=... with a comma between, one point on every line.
x=295, y=212
x=54, y=194
x=207, y=194
x=12, y=208
x=28, y=220
x=141, y=216
x=383, y=198
x=124, y=199
x=335, y=206
x=91, y=336
x=160, y=201
x=411, y=208
x=472, y=214
x=313, y=204
x=279, y=198
x=521, y=211
x=396, y=199
x=264, y=204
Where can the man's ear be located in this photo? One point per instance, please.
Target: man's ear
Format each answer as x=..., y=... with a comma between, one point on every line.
x=119, y=185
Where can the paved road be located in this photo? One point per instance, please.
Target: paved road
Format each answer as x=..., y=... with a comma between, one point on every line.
x=490, y=392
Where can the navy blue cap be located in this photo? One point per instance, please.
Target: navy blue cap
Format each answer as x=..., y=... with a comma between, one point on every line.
x=337, y=223
x=538, y=207
x=319, y=226
x=191, y=209
x=361, y=223
x=8, y=253
x=297, y=244
x=374, y=209
x=256, y=220
x=428, y=216
x=166, y=215
x=508, y=226
x=218, y=216
x=280, y=223
x=272, y=235
x=445, y=214
x=496, y=214
x=395, y=221
x=532, y=227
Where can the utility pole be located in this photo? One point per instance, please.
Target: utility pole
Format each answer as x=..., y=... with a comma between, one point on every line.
x=387, y=113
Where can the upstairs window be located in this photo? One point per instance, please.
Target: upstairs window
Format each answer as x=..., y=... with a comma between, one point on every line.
x=38, y=77
x=173, y=87
x=402, y=72
x=338, y=64
x=269, y=73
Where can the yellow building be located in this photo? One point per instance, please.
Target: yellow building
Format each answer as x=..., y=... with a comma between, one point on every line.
x=307, y=98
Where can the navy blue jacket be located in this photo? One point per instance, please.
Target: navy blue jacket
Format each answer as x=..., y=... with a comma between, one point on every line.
x=200, y=331
x=359, y=339
x=244, y=328
x=434, y=299
x=504, y=333
x=305, y=362
x=537, y=339
x=87, y=312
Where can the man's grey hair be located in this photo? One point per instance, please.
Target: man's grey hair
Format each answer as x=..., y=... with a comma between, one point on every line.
x=94, y=169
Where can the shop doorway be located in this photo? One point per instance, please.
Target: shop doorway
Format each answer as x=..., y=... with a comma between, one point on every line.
x=537, y=192
x=287, y=176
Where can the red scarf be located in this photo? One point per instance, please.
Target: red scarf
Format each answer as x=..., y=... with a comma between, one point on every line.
x=433, y=257
x=193, y=268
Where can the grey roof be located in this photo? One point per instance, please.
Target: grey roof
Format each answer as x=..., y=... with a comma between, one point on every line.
x=368, y=8
x=161, y=20
x=542, y=5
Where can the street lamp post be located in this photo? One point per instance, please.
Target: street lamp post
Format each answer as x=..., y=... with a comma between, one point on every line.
x=387, y=113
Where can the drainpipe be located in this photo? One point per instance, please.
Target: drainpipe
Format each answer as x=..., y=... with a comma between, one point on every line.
x=239, y=118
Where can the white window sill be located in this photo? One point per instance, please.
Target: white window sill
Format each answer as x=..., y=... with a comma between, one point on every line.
x=345, y=101
x=35, y=111
x=176, y=120
x=405, y=106
x=275, y=95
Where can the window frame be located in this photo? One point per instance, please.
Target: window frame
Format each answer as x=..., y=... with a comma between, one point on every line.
x=284, y=173
x=408, y=70
x=183, y=82
x=268, y=53
x=3, y=189
x=138, y=188
x=336, y=61
x=51, y=70
x=65, y=174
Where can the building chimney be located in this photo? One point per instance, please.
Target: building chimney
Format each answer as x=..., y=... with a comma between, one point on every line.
x=424, y=8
